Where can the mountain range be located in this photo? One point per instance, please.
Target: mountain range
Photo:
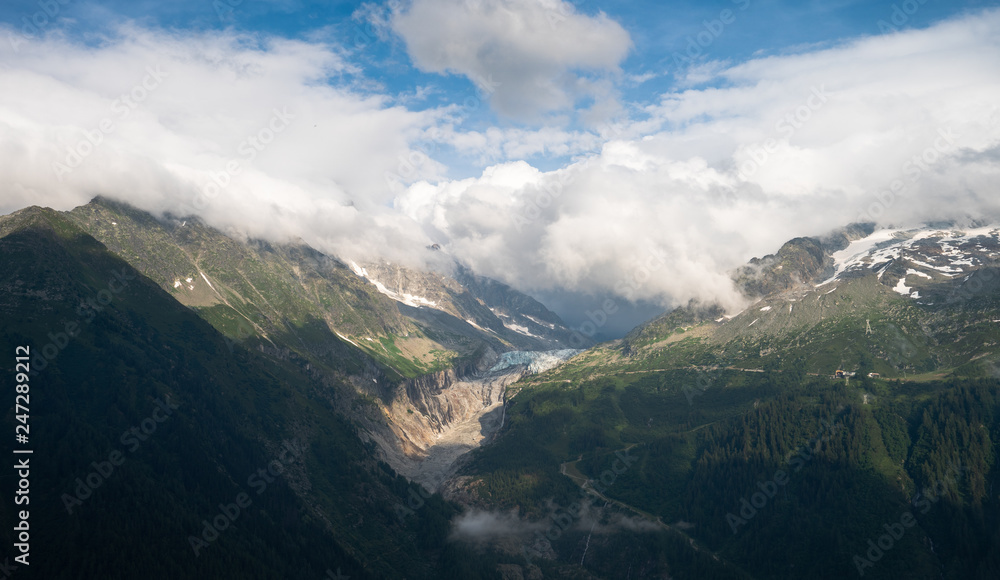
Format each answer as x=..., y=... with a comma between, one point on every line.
x=212, y=406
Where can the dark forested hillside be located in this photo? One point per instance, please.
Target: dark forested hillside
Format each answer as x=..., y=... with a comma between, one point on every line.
x=162, y=450
x=769, y=474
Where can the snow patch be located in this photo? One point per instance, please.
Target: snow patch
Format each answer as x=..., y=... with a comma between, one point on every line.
x=891, y=244
x=734, y=315
x=409, y=299
x=942, y=269
x=856, y=251
x=413, y=300
x=520, y=329
x=540, y=322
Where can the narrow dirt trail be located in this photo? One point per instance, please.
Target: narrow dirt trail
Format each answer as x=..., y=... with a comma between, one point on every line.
x=570, y=470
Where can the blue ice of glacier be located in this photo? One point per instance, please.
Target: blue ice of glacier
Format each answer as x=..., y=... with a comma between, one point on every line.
x=537, y=361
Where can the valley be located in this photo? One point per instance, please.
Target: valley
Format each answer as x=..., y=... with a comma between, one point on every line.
x=451, y=423
x=443, y=419
x=500, y=290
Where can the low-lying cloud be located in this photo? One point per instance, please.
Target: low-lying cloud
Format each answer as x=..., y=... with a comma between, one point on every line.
x=479, y=526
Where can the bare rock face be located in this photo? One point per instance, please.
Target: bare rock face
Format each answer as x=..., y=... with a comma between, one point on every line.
x=799, y=261
x=441, y=417
x=436, y=419
x=502, y=316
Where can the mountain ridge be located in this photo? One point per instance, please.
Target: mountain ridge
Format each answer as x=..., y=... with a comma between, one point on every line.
x=339, y=322
x=776, y=441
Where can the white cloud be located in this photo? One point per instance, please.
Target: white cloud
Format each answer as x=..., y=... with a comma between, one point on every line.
x=497, y=144
x=527, y=54
x=639, y=79
x=661, y=210
x=320, y=175
x=624, y=222
x=729, y=174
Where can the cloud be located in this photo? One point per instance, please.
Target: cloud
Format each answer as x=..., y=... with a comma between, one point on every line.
x=280, y=138
x=480, y=526
x=483, y=526
x=622, y=223
x=531, y=56
x=264, y=135
x=893, y=129
x=497, y=144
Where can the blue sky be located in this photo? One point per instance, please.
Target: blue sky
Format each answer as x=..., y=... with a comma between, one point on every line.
x=660, y=32
x=636, y=151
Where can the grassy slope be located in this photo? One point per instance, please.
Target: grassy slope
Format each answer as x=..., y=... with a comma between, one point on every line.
x=819, y=333
x=285, y=297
